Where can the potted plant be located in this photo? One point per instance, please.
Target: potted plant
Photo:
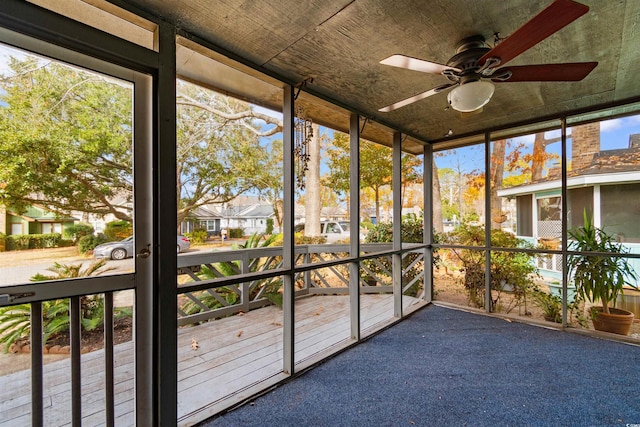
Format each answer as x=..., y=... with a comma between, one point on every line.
x=601, y=277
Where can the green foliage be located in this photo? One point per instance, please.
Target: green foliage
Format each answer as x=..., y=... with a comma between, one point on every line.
x=411, y=232
x=118, y=230
x=67, y=139
x=269, y=229
x=77, y=231
x=32, y=241
x=15, y=321
x=72, y=271
x=87, y=243
x=269, y=288
x=599, y=277
x=198, y=236
x=551, y=305
x=236, y=233
x=510, y=271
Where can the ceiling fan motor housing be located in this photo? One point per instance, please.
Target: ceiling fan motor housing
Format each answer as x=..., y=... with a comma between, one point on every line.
x=468, y=52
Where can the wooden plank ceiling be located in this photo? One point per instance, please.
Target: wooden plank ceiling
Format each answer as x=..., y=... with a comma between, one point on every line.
x=339, y=43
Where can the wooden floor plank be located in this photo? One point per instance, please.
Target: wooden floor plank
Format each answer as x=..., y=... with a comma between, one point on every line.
x=233, y=354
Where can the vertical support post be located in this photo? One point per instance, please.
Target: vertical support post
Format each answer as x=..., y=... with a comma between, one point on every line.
x=563, y=201
x=76, y=381
x=354, y=224
x=487, y=223
x=245, y=300
x=161, y=405
x=288, y=254
x=109, y=391
x=37, y=410
x=396, y=183
x=427, y=208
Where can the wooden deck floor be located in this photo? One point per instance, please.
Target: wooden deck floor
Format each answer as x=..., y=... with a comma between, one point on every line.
x=220, y=363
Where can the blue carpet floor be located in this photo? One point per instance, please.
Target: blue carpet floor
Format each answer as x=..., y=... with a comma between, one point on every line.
x=444, y=367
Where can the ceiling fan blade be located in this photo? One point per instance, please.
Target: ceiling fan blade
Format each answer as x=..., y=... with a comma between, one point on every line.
x=402, y=61
x=415, y=98
x=556, y=16
x=570, y=72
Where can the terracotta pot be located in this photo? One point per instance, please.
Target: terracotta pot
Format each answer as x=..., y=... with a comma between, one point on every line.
x=618, y=321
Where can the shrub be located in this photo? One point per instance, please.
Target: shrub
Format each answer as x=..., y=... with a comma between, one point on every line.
x=411, y=232
x=512, y=271
x=198, y=235
x=118, y=230
x=236, y=233
x=269, y=226
x=76, y=231
x=32, y=241
x=87, y=243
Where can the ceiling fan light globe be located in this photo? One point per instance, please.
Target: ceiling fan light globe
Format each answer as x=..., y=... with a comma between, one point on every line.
x=470, y=96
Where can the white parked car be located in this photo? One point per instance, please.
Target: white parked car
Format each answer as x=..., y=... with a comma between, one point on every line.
x=333, y=231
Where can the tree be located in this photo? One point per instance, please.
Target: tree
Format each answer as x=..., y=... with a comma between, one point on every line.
x=375, y=171
x=220, y=153
x=66, y=143
x=66, y=140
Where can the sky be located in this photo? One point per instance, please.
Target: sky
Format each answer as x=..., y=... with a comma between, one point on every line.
x=614, y=134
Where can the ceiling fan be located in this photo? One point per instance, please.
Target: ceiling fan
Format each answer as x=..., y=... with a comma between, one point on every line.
x=474, y=63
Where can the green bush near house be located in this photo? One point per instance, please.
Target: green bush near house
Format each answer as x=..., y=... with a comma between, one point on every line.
x=236, y=233
x=198, y=236
x=87, y=243
x=77, y=231
x=18, y=242
x=269, y=229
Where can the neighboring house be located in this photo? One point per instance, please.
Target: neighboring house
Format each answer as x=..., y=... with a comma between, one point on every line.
x=247, y=212
x=34, y=220
x=604, y=184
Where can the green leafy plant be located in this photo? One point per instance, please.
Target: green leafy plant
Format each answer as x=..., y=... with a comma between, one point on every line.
x=411, y=232
x=551, y=305
x=15, y=321
x=236, y=233
x=269, y=229
x=32, y=241
x=599, y=277
x=198, y=236
x=211, y=299
x=76, y=231
x=87, y=243
x=511, y=271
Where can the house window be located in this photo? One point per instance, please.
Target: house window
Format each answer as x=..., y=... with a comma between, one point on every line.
x=16, y=228
x=51, y=227
x=619, y=206
x=549, y=217
x=524, y=223
x=579, y=201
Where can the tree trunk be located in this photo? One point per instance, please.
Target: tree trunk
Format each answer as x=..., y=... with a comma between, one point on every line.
x=497, y=172
x=436, y=202
x=376, y=192
x=312, y=187
x=539, y=157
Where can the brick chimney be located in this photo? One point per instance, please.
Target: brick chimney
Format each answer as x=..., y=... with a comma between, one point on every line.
x=585, y=143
